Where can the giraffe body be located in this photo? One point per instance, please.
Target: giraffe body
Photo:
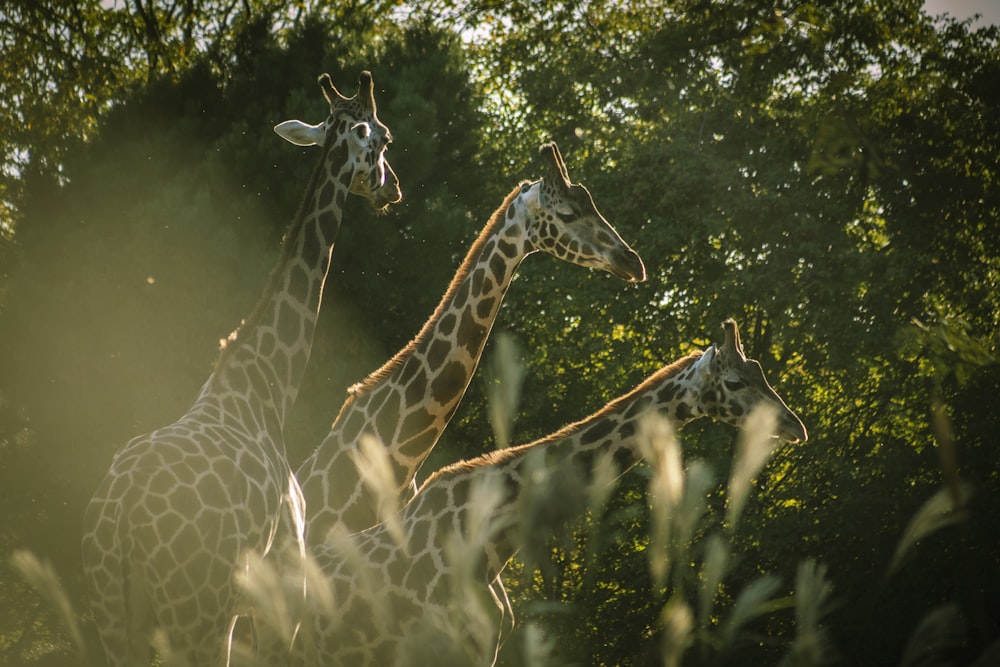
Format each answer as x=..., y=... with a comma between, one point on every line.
x=409, y=402
x=181, y=508
x=389, y=592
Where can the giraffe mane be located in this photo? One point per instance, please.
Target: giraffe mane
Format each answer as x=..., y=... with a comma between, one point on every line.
x=378, y=376
x=501, y=456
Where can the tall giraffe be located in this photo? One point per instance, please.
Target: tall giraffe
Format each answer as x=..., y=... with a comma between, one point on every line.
x=407, y=403
x=386, y=590
x=181, y=507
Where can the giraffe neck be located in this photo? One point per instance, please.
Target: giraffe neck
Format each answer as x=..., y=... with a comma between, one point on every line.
x=263, y=361
x=673, y=392
x=409, y=401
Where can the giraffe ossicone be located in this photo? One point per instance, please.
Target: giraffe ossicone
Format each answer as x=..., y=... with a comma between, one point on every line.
x=184, y=506
x=400, y=600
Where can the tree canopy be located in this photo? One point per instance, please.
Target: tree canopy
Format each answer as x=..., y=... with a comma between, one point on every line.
x=824, y=172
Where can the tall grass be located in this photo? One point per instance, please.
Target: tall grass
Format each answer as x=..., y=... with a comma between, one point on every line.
x=692, y=556
x=42, y=577
x=694, y=616
x=468, y=629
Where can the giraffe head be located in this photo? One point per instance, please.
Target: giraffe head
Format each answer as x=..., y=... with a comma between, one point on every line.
x=353, y=120
x=566, y=223
x=732, y=385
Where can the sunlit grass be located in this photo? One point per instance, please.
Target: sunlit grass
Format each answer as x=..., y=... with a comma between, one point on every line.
x=371, y=459
x=753, y=449
x=504, y=375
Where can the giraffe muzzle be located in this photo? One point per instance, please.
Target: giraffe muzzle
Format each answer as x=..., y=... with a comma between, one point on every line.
x=629, y=266
x=388, y=192
x=792, y=430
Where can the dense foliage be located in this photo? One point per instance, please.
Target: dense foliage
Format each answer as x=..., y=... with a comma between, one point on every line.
x=824, y=172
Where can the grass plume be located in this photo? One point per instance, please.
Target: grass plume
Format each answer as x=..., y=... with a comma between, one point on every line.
x=42, y=577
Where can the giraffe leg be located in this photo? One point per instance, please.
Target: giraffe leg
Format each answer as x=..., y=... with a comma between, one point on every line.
x=229, y=641
x=123, y=642
x=121, y=611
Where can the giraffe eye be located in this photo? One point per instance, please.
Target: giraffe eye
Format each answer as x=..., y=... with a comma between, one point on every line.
x=734, y=385
x=361, y=131
x=566, y=217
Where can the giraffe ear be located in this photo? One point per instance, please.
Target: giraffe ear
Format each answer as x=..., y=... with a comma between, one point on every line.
x=301, y=134
x=711, y=355
x=532, y=197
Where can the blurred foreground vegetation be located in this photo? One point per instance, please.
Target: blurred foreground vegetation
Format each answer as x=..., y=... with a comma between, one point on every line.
x=824, y=172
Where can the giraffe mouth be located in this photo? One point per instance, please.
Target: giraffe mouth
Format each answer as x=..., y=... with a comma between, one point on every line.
x=385, y=196
x=792, y=433
x=628, y=266
x=388, y=192
x=380, y=198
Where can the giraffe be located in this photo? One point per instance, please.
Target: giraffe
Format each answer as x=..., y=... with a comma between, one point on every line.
x=182, y=507
x=409, y=401
x=388, y=590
